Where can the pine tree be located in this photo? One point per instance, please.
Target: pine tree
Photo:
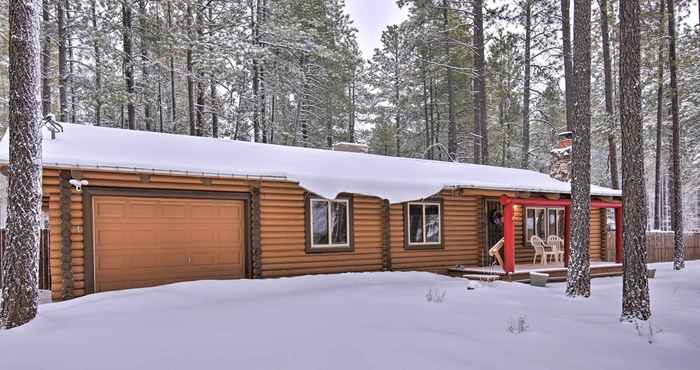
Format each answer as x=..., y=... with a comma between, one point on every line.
x=127, y=37
x=579, y=272
x=659, y=116
x=525, y=156
x=568, y=67
x=479, y=87
x=609, y=111
x=635, y=286
x=677, y=181
x=20, y=275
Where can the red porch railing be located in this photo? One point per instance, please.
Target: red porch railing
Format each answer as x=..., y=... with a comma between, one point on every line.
x=44, y=270
x=509, y=228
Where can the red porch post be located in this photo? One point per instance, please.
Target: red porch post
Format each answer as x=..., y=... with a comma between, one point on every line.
x=567, y=234
x=508, y=236
x=619, y=254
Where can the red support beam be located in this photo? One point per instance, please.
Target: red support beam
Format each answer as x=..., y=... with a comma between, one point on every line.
x=508, y=239
x=567, y=235
x=619, y=254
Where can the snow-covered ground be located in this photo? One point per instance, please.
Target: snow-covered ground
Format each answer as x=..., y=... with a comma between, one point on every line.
x=362, y=321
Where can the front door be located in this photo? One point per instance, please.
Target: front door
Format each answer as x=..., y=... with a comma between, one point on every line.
x=494, y=228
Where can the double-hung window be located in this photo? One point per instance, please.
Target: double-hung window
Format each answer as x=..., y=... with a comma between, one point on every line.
x=329, y=224
x=424, y=225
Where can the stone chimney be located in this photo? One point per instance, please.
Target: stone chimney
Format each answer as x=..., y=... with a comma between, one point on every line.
x=560, y=165
x=350, y=147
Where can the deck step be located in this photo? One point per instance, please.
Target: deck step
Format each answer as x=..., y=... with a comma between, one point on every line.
x=561, y=279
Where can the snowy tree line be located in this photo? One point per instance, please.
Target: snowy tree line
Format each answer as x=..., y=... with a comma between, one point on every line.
x=469, y=80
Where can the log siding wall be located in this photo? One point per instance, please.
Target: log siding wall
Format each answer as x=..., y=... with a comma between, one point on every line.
x=281, y=225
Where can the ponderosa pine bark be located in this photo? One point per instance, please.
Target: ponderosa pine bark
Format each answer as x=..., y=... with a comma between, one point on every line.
x=579, y=272
x=46, y=60
x=451, y=120
x=127, y=30
x=659, y=116
x=173, y=100
x=190, y=72
x=609, y=111
x=62, y=61
x=70, y=80
x=677, y=196
x=526, y=87
x=479, y=86
x=20, y=275
x=635, y=284
x=568, y=68
x=143, y=23
x=98, y=65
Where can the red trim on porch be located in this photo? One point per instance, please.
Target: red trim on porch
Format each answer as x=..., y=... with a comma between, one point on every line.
x=509, y=227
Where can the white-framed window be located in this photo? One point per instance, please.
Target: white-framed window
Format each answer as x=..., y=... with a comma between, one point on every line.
x=329, y=223
x=424, y=223
x=544, y=222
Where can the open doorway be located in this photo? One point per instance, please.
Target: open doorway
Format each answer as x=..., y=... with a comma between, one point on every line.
x=493, y=214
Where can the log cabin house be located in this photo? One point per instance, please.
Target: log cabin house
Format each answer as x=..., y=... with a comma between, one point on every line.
x=157, y=208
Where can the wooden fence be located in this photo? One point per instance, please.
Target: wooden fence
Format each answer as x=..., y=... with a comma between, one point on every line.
x=44, y=271
x=660, y=246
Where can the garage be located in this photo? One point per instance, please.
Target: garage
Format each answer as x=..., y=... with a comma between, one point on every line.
x=148, y=241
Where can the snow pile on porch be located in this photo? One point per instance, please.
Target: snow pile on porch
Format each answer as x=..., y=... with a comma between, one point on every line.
x=362, y=321
x=324, y=172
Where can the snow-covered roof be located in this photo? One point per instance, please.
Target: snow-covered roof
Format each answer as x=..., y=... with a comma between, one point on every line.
x=324, y=172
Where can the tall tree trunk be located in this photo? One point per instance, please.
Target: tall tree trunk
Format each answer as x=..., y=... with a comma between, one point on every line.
x=677, y=198
x=214, y=106
x=46, y=60
x=526, y=87
x=199, y=107
x=143, y=21
x=609, y=113
x=481, y=152
x=128, y=63
x=62, y=61
x=20, y=277
x=159, y=71
x=98, y=64
x=254, y=24
x=579, y=272
x=658, y=203
x=190, y=72
x=173, y=101
x=568, y=67
x=477, y=86
x=635, y=286
x=426, y=114
x=451, y=120
x=71, y=70
x=353, y=102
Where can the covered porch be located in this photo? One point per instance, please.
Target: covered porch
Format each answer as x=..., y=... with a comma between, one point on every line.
x=509, y=232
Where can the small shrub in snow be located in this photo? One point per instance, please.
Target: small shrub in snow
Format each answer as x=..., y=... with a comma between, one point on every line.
x=518, y=326
x=435, y=295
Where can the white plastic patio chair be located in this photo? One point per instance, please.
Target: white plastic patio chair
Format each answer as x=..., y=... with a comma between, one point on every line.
x=557, y=245
x=541, y=250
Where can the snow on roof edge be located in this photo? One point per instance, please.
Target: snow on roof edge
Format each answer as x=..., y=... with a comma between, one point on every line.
x=393, y=179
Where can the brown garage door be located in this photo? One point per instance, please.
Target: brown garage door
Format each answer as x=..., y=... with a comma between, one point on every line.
x=141, y=242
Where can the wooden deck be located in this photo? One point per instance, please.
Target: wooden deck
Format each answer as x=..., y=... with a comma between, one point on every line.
x=556, y=271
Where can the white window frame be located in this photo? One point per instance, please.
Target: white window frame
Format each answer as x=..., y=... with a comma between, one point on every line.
x=425, y=226
x=330, y=224
x=546, y=221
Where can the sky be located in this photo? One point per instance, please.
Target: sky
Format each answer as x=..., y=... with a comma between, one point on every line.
x=371, y=17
